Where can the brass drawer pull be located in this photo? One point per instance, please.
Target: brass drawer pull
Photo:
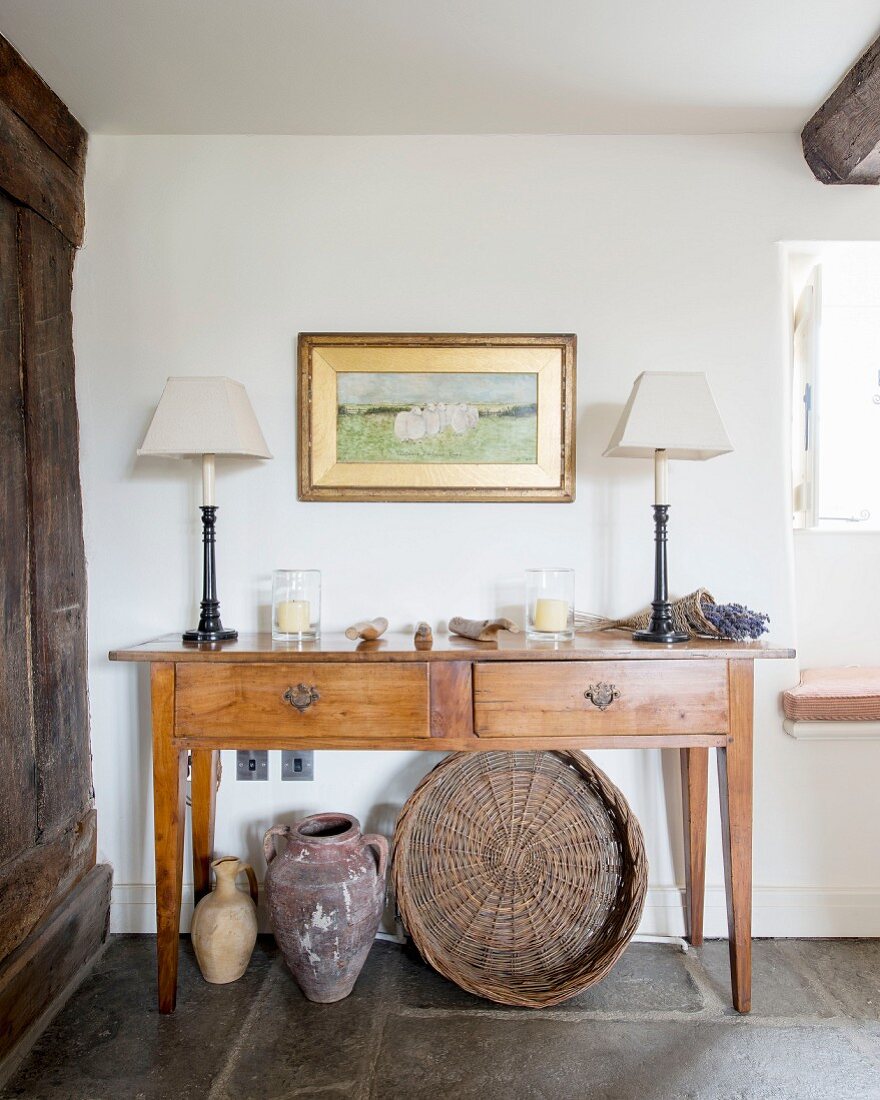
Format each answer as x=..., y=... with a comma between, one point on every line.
x=301, y=697
x=602, y=695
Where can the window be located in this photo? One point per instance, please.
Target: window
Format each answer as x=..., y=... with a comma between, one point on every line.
x=836, y=387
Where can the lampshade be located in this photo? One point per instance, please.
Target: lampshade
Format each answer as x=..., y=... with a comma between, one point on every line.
x=199, y=416
x=672, y=411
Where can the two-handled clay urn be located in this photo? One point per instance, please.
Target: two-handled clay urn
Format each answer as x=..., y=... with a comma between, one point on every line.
x=325, y=894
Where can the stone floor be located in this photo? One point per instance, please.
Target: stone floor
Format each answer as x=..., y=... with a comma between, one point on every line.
x=660, y=1027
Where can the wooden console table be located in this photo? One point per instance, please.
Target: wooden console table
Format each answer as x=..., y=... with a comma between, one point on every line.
x=598, y=691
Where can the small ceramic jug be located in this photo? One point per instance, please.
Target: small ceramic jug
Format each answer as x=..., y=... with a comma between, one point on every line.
x=325, y=896
x=224, y=924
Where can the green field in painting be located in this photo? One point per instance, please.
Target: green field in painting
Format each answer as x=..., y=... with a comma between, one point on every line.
x=368, y=436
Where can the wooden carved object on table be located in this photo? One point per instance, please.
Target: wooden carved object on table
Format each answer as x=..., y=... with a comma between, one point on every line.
x=424, y=636
x=481, y=630
x=367, y=630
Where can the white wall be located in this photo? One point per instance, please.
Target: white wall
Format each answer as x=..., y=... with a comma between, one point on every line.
x=209, y=255
x=838, y=598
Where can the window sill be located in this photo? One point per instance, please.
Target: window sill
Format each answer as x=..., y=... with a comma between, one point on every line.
x=855, y=529
x=832, y=731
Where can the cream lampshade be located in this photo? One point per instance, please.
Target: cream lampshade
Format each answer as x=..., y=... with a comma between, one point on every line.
x=669, y=414
x=205, y=417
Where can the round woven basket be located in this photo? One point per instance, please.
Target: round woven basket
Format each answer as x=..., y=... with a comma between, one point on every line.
x=520, y=876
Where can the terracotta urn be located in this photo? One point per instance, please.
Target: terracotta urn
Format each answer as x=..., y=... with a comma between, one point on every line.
x=224, y=924
x=325, y=895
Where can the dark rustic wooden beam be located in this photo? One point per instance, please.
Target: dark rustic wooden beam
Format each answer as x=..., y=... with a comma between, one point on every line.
x=59, y=657
x=33, y=883
x=38, y=178
x=39, y=107
x=842, y=140
x=54, y=903
x=18, y=818
x=53, y=955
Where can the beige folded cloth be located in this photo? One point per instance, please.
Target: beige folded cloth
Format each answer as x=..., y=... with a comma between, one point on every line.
x=835, y=695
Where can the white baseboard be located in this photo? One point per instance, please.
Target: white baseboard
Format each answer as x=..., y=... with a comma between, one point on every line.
x=831, y=731
x=782, y=911
x=776, y=911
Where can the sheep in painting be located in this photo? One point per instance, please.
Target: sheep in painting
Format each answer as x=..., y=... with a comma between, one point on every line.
x=432, y=420
x=416, y=424
x=459, y=419
x=410, y=425
x=435, y=418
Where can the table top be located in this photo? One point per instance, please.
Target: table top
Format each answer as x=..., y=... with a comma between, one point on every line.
x=395, y=647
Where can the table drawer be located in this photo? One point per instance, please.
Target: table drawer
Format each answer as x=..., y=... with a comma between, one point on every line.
x=547, y=698
x=330, y=702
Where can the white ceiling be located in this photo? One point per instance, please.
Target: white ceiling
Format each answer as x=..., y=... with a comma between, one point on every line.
x=441, y=66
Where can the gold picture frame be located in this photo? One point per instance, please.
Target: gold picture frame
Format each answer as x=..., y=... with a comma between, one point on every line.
x=500, y=427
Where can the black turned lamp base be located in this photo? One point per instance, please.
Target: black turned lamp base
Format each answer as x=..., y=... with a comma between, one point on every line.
x=666, y=636
x=210, y=628
x=661, y=628
x=221, y=635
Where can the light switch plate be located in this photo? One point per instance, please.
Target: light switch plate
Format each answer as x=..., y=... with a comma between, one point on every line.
x=297, y=764
x=252, y=764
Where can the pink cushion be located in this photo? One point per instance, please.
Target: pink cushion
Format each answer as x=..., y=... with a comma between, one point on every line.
x=835, y=694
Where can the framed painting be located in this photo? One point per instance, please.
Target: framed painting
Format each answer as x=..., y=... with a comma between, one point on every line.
x=436, y=417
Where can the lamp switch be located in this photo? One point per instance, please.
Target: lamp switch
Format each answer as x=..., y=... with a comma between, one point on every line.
x=298, y=764
x=252, y=765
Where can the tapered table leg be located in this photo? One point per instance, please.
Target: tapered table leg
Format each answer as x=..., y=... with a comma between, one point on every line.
x=694, y=793
x=735, y=790
x=169, y=817
x=205, y=765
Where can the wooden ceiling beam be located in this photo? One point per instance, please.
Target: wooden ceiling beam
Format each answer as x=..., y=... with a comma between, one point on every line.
x=31, y=98
x=42, y=147
x=842, y=140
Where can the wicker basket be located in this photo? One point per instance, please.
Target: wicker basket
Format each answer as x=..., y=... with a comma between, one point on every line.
x=520, y=876
x=687, y=616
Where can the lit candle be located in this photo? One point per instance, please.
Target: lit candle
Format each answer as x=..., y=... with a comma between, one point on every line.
x=294, y=617
x=551, y=615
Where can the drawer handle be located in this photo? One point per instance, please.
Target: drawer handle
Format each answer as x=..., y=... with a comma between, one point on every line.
x=301, y=697
x=602, y=695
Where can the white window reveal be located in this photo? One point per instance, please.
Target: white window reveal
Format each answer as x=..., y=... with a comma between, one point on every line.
x=836, y=388
x=805, y=358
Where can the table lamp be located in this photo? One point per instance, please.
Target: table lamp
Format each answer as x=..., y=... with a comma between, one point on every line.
x=670, y=414
x=205, y=417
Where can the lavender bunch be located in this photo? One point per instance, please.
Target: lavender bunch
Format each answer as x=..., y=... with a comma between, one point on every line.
x=736, y=622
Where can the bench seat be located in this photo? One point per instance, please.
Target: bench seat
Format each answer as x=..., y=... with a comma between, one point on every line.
x=849, y=694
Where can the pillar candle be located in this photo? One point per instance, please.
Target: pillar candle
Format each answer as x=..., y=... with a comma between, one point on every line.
x=207, y=480
x=551, y=615
x=293, y=616
x=661, y=477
